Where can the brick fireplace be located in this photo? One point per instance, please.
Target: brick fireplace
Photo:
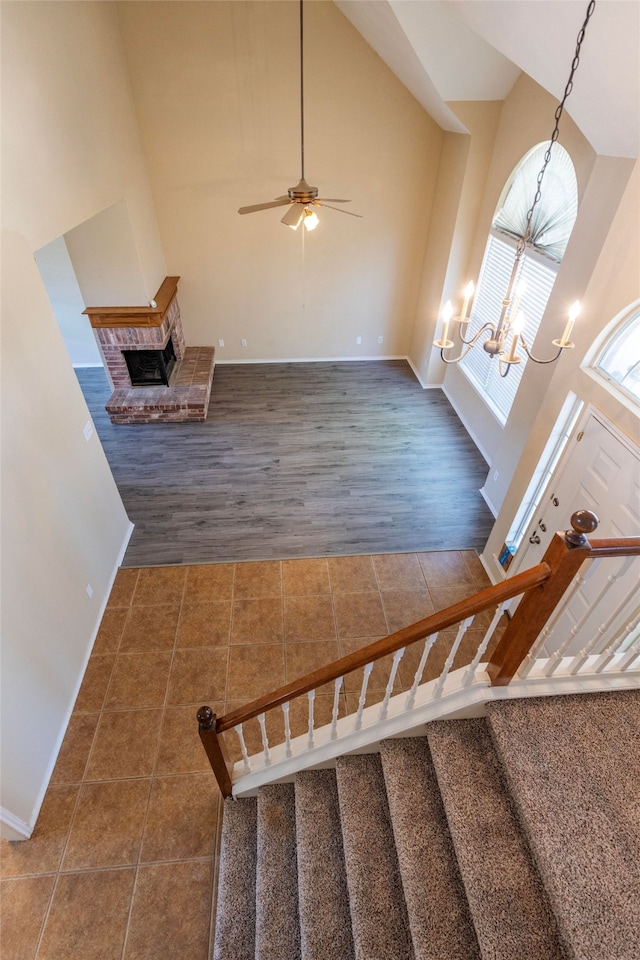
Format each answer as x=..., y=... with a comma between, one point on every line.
x=154, y=376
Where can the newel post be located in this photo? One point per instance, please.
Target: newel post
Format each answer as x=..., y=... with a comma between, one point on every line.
x=215, y=748
x=564, y=557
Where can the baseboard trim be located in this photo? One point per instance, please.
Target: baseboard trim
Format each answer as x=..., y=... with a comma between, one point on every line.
x=485, y=497
x=471, y=433
x=12, y=827
x=313, y=359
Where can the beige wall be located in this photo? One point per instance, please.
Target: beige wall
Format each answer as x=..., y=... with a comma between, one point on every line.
x=216, y=87
x=70, y=149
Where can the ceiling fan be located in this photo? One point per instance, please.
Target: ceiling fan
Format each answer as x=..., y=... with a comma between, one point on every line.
x=303, y=198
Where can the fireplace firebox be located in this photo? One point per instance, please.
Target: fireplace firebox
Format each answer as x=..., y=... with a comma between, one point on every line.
x=150, y=368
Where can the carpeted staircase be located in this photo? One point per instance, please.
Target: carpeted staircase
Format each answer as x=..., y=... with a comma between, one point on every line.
x=515, y=837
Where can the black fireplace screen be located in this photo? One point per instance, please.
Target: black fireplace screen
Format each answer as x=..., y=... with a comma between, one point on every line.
x=150, y=368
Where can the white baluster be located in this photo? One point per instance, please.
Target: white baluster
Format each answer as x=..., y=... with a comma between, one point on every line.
x=525, y=667
x=595, y=644
x=411, y=696
x=265, y=742
x=243, y=748
x=462, y=629
x=473, y=666
x=557, y=655
x=629, y=657
x=287, y=729
x=363, y=696
x=397, y=657
x=621, y=640
x=336, y=708
x=312, y=697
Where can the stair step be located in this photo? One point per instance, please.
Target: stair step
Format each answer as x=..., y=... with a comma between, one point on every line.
x=584, y=750
x=439, y=918
x=325, y=920
x=235, y=933
x=378, y=911
x=509, y=908
x=277, y=922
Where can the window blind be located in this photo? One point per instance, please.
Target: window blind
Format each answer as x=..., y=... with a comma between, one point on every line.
x=539, y=276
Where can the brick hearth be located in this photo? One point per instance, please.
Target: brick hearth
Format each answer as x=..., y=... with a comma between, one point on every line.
x=149, y=328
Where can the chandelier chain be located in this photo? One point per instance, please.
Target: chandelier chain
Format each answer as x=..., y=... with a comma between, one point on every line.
x=522, y=243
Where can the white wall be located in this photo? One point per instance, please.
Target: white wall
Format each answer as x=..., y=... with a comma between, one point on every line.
x=59, y=279
x=70, y=149
x=216, y=86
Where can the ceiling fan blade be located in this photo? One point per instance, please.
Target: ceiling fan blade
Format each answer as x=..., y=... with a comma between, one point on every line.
x=330, y=200
x=339, y=210
x=280, y=202
x=294, y=215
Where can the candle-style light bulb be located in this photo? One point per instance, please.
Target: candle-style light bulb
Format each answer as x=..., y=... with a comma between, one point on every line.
x=573, y=313
x=516, y=327
x=447, y=313
x=468, y=293
x=520, y=289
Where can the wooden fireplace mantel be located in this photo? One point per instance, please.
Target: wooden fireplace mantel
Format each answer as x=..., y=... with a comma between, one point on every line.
x=109, y=317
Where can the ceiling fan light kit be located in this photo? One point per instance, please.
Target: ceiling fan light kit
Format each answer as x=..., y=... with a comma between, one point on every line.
x=302, y=198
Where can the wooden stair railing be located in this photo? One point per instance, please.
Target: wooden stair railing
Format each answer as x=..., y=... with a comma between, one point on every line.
x=542, y=585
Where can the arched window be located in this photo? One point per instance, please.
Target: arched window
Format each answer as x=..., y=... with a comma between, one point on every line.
x=619, y=360
x=551, y=226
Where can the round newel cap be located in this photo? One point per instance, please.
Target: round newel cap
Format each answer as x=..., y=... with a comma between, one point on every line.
x=582, y=523
x=206, y=718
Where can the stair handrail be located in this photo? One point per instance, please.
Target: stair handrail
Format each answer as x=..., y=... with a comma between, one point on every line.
x=542, y=587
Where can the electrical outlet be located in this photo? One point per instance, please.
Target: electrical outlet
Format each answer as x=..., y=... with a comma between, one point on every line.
x=88, y=430
x=89, y=589
x=221, y=343
x=358, y=339
x=380, y=339
x=243, y=342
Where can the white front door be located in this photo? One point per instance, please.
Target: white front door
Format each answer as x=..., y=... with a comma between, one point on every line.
x=599, y=471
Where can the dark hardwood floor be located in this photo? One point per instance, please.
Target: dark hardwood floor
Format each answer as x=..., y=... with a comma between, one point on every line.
x=298, y=460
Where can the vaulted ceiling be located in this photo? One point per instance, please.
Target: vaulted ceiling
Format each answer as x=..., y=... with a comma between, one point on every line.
x=449, y=50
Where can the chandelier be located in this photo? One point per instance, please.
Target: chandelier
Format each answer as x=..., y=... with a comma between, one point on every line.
x=503, y=338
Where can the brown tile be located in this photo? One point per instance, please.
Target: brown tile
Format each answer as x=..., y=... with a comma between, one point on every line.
x=126, y=745
x=254, y=671
x=305, y=577
x=309, y=618
x=204, y=624
x=160, y=585
x=260, y=579
x=123, y=588
x=138, y=680
x=198, y=675
x=75, y=749
x=209, y=581
x=302, y=658
x=182, y=818
x=352, y=575
x=445, y=595
x=110, y=632
x=24, y=905
x=404, y=607
x=42, y=852
x=172, y=905
x=88, y=916
x=94, y=684
x=107, y=825
x=478, y=574
x=180, y=748
x=399, y=571
x=257, y=621
x=360, y=615
x=150, y=628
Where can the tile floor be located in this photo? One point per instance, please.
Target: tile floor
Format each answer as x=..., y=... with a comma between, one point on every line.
x=122, y=863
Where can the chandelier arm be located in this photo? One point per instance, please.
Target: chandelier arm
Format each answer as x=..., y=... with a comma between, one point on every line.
x=454, y=359
x=476, y=336
x=536, y=359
